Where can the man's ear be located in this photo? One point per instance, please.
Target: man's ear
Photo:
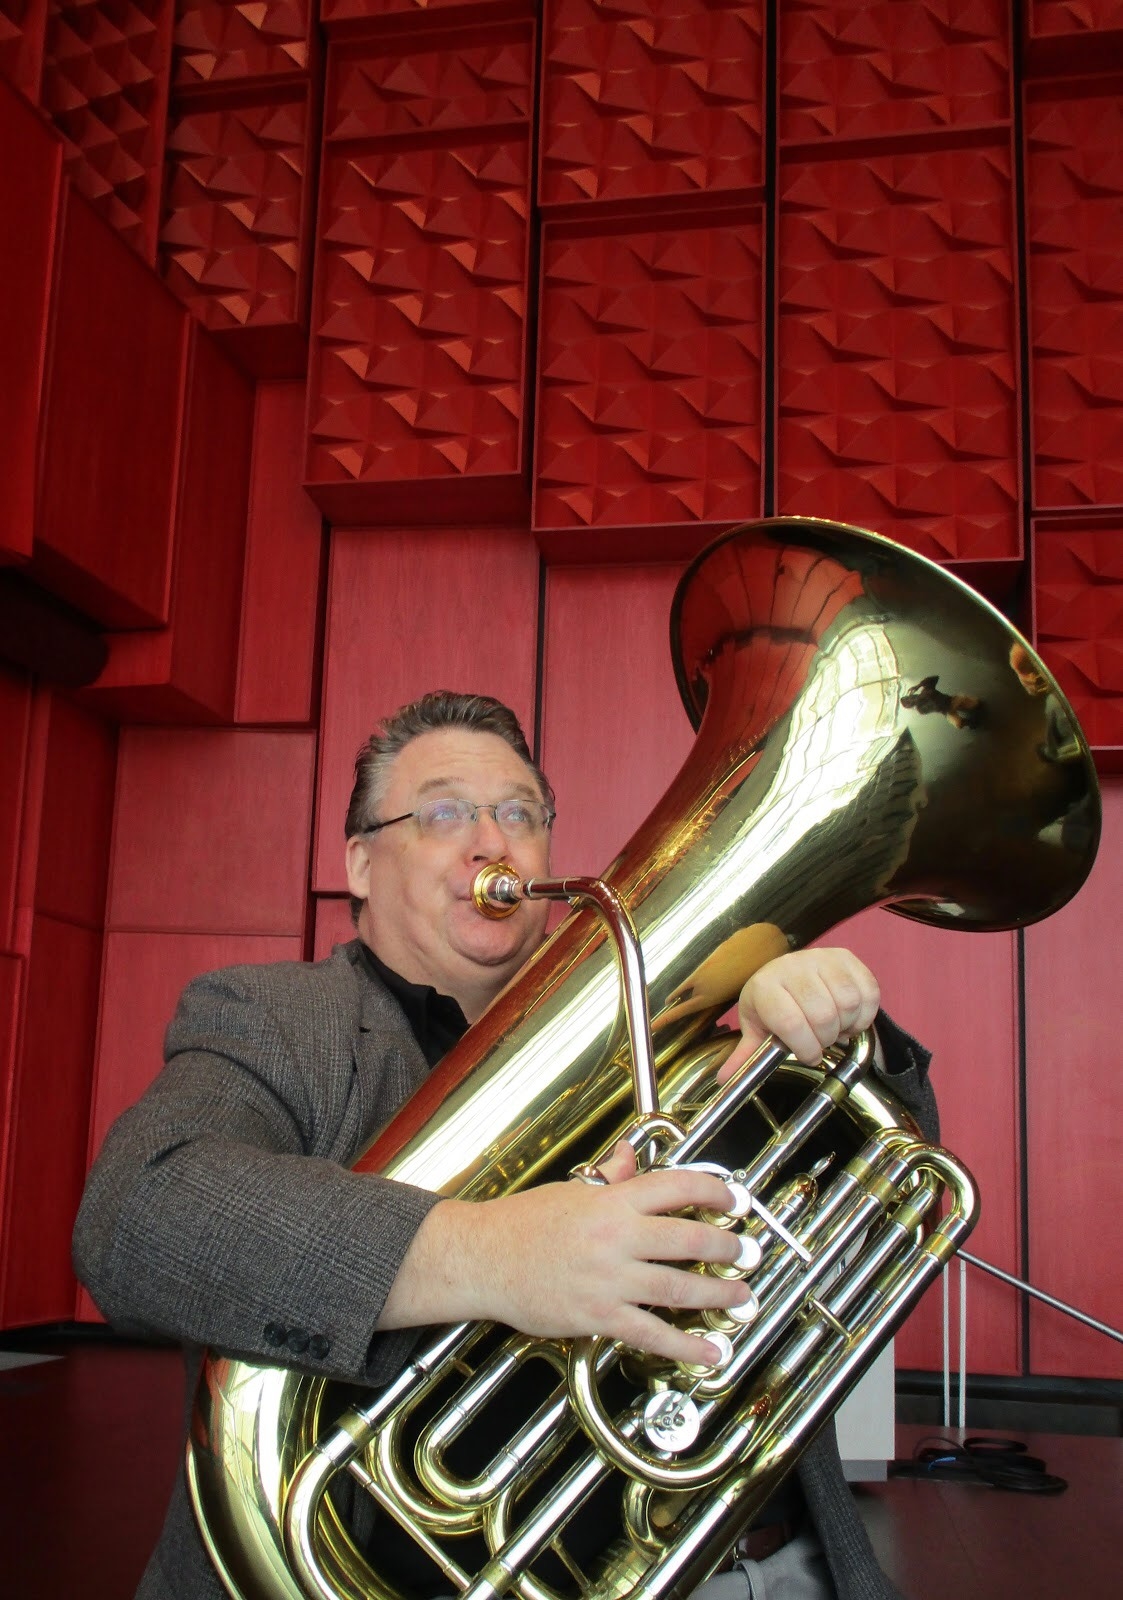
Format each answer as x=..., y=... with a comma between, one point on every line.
x=358, y=866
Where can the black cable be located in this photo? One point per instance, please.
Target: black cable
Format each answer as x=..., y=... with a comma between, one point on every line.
x=988, y=1463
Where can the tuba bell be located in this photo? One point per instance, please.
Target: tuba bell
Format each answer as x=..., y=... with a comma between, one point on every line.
x=869, y=732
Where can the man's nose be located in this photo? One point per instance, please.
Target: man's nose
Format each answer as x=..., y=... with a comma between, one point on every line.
x=486, y=835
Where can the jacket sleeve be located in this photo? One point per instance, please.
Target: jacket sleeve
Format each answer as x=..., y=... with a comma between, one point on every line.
x=209, y=1216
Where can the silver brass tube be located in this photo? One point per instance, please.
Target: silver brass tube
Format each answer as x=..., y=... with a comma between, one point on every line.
x=499, y=886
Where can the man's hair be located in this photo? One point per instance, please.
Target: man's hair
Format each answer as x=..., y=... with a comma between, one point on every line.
x=443, y=708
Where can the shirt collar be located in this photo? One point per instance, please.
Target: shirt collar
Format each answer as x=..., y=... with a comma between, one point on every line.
x=435, y=1020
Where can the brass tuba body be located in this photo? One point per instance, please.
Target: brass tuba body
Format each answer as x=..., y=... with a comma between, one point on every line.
x=870, y=732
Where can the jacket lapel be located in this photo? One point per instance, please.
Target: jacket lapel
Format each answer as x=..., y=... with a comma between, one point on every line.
x=388, y=1061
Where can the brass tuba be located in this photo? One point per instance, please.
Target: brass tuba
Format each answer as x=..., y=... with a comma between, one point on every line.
x=870, y=732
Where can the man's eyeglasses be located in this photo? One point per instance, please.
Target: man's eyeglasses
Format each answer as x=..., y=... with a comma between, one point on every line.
x=516, y=819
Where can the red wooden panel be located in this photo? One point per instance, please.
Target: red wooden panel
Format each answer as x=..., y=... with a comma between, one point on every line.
x=852, y=70
x=1075, y=1096
x=29, y=200
x=29, y=195
x=211, y=831
x=235, y=243
x=186, y=671
x=649, y=406
x=142, y=978
x=105, y=85
x=1078, y=623
x=957, y=993
x=418, y=352
x=144, y=975
x=112, y=425
x=613, y=729
x=50, y=1122
x=79, y=777
x=333, y=925
x=22, y=27
x=1074, y=195
x=897, y=349
x=277, y=665
x=12, y=969
x=15, y=723
x=217, y=43
x=661, y=101
x=409, y=612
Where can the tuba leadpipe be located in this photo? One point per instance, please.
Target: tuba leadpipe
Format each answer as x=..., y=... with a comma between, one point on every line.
x=869, y=732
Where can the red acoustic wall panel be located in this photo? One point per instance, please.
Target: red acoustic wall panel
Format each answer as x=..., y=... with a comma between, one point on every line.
x=75, y=815
x=1054, y=19
x=649, y=408
x=1075, y=1111
x=143, y=977
x=333, y=925
x=50, y=1122
x=896, y=349
x=235, y=238
x=111, y=445
x=279, y=640
x=22, y=26
x=105, y=84
x=211, y=832
x=479, y=77
x=342, y=18
x=66, y=764
x=29, y=199
x=655, y=100
x=1078, y=623
x=416, y=372
x=217, y=43
x=11, y=995
x=15, y=727
x=410, y=612
x=957, y=993
x=1073, y=35
x=1074, y=201
x=851, y=70
x=186, y=671
x=613, y=729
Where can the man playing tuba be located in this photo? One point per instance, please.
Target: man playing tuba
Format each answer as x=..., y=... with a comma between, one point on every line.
x=222, y=1211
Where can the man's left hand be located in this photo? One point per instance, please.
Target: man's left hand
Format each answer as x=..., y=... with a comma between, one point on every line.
x=808, y=999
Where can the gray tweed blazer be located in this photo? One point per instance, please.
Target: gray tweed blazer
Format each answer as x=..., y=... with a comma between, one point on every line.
x=221, y=1209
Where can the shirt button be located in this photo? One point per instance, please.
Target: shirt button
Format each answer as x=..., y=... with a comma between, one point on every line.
x=297, y=1341
x=318, y=1346
x=275, y=1333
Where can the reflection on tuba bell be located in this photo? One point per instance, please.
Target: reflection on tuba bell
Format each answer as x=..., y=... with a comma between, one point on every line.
x=870, y=732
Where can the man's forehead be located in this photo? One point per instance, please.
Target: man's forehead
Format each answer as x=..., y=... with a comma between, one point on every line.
x=454, y=760
x=453, y=783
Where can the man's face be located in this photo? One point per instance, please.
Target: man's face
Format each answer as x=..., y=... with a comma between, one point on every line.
x=419, y=917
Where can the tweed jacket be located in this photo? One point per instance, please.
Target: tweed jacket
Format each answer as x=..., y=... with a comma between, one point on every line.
x=221, y=1210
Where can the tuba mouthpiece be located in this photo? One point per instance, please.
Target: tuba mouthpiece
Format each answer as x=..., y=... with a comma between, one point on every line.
x=496, y=890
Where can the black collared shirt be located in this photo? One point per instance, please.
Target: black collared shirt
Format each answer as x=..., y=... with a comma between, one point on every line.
x=435, y=1020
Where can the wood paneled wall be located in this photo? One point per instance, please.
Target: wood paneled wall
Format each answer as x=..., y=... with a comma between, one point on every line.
x=357, y=351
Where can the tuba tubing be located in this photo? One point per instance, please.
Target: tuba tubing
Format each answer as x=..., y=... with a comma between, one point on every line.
x=870, y=732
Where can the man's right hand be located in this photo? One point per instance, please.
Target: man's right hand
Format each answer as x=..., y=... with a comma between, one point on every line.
x=568, y=1259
